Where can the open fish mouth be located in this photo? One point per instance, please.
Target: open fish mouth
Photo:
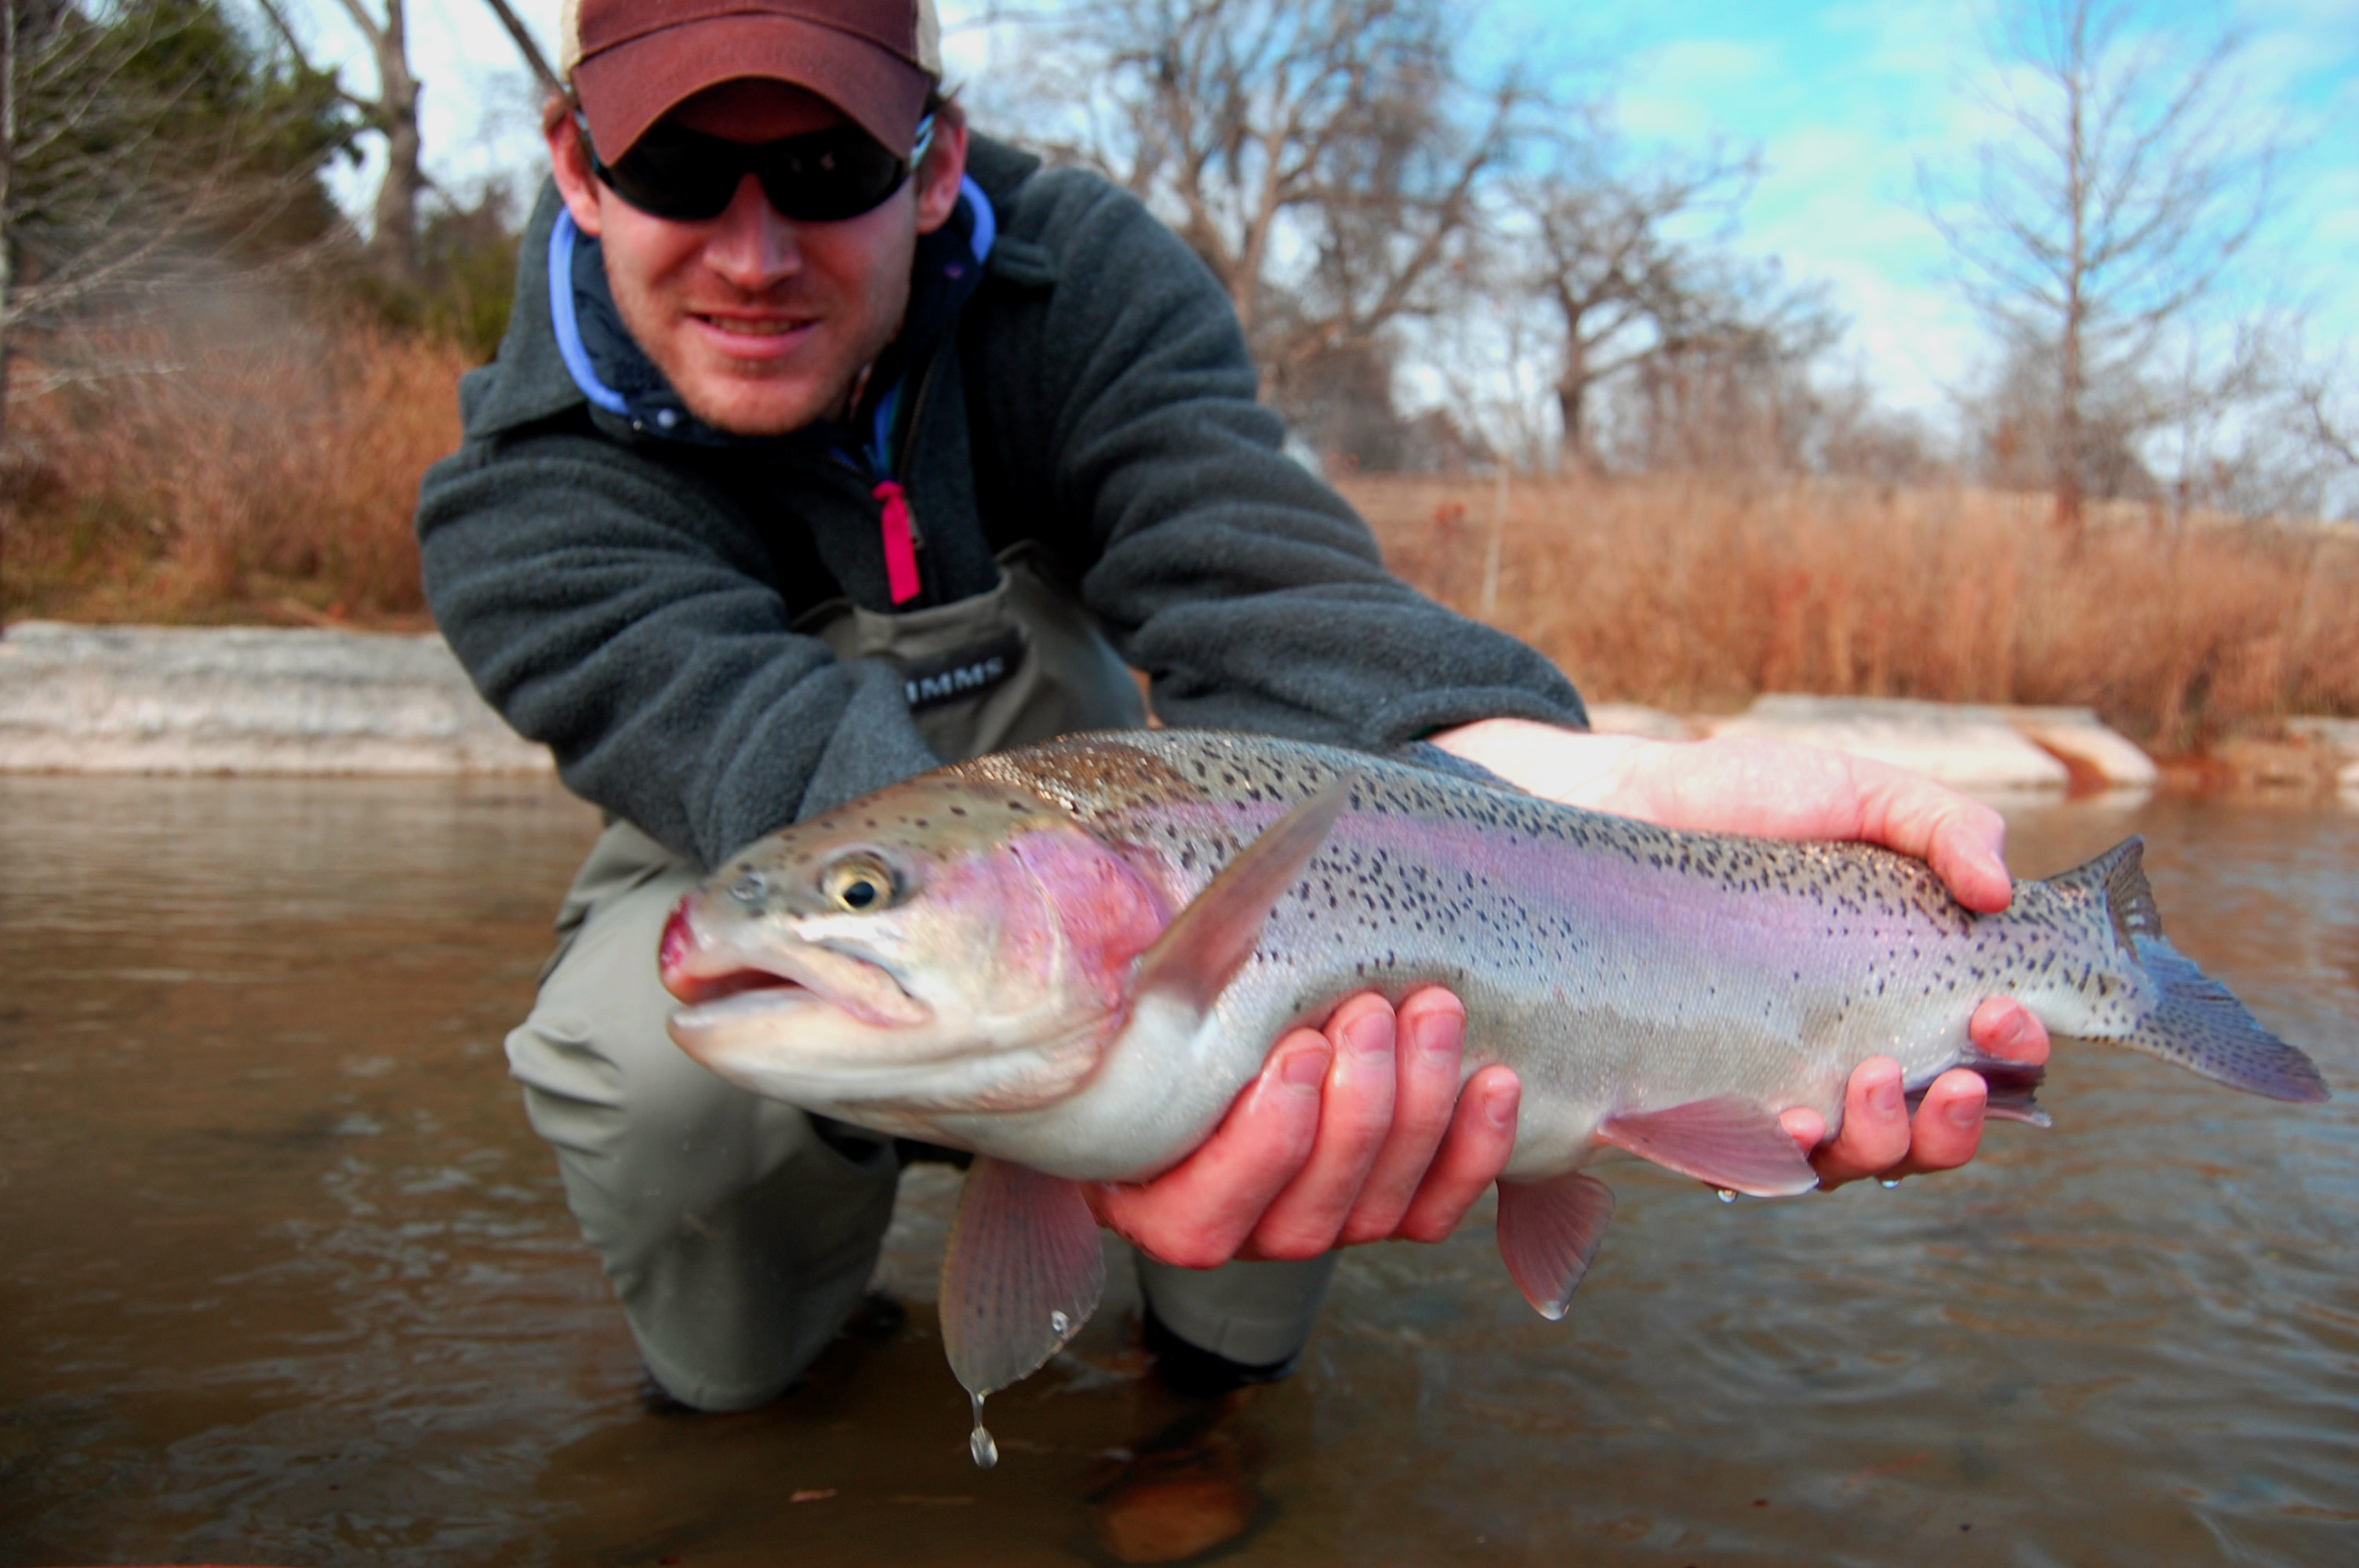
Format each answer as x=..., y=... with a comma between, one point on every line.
x=724, y=980
x=697, y=990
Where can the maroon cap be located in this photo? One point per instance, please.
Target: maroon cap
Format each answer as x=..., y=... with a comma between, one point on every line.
x=632, y=61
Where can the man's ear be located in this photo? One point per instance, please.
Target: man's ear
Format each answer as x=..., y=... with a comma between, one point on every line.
x=569, y=160
x=938, y=177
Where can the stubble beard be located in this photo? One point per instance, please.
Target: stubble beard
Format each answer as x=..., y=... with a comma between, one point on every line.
x=752, y=398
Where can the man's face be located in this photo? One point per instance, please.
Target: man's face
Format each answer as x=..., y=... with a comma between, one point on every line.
x=762, y=324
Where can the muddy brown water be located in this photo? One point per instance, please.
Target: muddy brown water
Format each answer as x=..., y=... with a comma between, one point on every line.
x=284, y=1278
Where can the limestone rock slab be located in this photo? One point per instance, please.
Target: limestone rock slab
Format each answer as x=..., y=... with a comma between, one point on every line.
x=153, y=699
x=1974, y=748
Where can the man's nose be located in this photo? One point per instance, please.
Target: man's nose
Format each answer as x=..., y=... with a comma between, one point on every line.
x=752, y=245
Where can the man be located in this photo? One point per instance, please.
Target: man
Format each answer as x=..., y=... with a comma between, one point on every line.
x=828, y=443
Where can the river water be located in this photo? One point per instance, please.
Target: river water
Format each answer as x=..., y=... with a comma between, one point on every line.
x=285, y=1279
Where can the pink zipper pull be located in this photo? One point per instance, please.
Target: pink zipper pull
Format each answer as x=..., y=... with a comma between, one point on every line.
x=900, y=542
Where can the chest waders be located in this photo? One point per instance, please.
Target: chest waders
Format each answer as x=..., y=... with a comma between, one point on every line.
x=740, y=1236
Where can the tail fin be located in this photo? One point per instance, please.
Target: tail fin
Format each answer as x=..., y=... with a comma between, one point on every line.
x=2202, y=1027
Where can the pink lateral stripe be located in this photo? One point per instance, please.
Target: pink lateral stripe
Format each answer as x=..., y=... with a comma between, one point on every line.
x=900, y=544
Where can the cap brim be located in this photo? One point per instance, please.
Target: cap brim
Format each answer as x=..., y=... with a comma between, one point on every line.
x=629, y=87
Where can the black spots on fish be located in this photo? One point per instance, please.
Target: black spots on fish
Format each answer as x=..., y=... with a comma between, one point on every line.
x=869, y=823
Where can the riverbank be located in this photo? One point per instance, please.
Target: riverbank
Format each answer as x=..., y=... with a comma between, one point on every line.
x=254, y=700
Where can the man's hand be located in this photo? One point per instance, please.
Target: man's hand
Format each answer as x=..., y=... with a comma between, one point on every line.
x=1354, y=1132
x=1359, y=1132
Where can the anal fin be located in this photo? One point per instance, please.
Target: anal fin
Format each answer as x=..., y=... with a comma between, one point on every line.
x=1022, y=1273
x=2011, y=1084
x=1728, y=1142
x=1547, y=1233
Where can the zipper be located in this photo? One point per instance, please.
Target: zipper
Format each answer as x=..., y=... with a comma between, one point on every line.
x=897, y=521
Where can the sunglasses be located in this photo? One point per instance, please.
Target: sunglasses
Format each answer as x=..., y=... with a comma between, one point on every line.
x=818, y=178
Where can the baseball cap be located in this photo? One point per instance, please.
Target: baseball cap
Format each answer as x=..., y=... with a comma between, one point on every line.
x=631, y=62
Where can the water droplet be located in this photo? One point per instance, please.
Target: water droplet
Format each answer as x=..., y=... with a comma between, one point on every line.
x=1888, y=1182
x=1058, y=1323
x=979, y=1442
x=1725, y=1194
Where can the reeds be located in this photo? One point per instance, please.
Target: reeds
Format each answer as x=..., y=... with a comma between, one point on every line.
x=1699, y=592
x=276, y=483
x=217, y=476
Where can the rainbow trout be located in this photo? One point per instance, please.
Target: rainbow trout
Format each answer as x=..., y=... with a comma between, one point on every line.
x=1070, y=958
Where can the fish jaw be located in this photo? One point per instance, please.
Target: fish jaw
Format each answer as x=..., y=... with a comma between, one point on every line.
x=988, y=977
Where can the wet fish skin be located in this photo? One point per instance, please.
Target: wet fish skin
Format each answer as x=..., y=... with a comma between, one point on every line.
x=1616, y=966
x=1074, y=955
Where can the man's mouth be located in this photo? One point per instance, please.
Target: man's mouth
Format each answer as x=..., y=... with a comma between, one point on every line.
x=756, y=326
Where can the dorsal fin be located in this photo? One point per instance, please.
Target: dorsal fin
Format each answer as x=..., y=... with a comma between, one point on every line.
x=2118, y=878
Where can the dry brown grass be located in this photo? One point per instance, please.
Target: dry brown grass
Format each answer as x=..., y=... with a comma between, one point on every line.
x=1699, y=592
x=271, y=483
x=276, y=483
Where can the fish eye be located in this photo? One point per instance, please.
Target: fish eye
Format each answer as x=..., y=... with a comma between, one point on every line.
x=858, y=884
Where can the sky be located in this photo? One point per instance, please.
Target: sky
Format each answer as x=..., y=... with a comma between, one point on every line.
x=1844, y=100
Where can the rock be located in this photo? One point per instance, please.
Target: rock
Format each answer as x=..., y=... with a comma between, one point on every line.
x=1635, y=718
x=2339, y=736
x=243, y=700
x=1971, y=749
x=2078, y=736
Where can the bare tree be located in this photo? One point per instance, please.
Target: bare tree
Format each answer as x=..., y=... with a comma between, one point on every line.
x=142, y=147
x=2123, y=190
x=533, y=60
x=1627, y=292
x=392, y=112
x=1327, y=160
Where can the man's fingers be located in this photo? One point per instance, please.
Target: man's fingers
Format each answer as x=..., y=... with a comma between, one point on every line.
x=1874, y=1133
x=1431, y=1039
x=1963, y=840
x=2004, y=1027
x=1473, y=1151
x=1949, y=1126
x=1355, y=1114
x=1198, y=1213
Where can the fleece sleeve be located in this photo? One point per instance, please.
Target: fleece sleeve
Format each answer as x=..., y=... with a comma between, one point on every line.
x=620, y=611
x=1250, y=592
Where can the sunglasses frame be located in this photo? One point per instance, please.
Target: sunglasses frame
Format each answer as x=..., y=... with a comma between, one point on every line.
x=764, y=160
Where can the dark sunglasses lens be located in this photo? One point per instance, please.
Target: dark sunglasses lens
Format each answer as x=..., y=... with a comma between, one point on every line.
x=815, y=179
x=677, y=177
x=830, y=176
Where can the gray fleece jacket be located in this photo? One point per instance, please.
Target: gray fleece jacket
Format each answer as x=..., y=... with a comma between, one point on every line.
x=621, y=583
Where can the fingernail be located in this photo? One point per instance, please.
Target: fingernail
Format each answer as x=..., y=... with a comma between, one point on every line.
x=1964, y=1111
x=1884, y=1098
x=1304, y=1069
x=1500, y=1107
x=1368, y=1038
x=1433, y=1037
x=2017, y=1030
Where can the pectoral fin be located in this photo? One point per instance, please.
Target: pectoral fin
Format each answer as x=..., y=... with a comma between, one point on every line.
x=1201, y=950
x=1728, y=1141
x=1022, y=1274
x=1547, y=1233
